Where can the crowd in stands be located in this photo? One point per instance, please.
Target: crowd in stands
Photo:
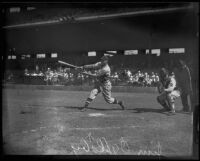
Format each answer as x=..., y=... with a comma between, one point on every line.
x=67, y=76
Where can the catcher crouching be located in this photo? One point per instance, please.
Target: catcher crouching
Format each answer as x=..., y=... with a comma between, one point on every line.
x=168, y=91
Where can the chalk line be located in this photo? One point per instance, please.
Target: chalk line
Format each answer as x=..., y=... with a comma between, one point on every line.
x=102, y=128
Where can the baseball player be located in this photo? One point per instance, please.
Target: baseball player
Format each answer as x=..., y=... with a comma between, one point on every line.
x=102, y=84
x=168, y=91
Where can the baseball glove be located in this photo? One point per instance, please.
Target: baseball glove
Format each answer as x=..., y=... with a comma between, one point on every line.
x=160, y=88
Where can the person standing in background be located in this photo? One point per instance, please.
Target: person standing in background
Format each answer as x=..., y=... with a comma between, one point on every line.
x=184, y=82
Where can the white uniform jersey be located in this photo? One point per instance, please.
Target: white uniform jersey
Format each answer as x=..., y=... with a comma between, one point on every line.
x=105, y=70
x=170, y=84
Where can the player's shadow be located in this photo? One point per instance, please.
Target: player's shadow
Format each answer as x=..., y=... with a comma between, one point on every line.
x=142, y=110
x=163, y=111
x=93, y=108
x=104, y=109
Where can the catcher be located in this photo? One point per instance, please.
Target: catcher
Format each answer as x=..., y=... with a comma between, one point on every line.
x=168, y=91
x=102, y=84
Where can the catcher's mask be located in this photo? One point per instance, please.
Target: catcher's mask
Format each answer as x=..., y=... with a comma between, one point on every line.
x=163, y=73
x=104, y=58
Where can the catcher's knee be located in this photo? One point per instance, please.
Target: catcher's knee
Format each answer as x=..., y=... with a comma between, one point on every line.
x=158, y=99
x=170, y=99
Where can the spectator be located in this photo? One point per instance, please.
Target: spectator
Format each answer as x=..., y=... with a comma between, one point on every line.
x=147, y=80
x=40, y=73
x=26, y=73
x=153, y=77
x=139, y=74
x=115, y=78
x=129, y=73
x=36, y=69
x=48, y=76
x=157, y=78
x=10, y=77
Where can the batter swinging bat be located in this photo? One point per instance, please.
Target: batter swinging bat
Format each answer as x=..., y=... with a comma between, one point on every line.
x=70, y=65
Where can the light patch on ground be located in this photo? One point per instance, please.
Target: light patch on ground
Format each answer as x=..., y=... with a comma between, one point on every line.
x=51, y=151
x=96, y=114
x=51, y=122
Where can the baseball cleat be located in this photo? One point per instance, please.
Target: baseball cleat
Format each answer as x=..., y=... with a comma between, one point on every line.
x=122, y=105
x=82, y=109
x=172, y=111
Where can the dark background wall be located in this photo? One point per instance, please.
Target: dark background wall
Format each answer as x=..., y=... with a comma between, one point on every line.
x=72, y=41
x=149, y=31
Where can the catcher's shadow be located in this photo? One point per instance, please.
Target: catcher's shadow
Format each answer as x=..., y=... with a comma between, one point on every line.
x=142, y=110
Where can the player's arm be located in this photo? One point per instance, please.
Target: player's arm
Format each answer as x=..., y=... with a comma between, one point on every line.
x=160, y=87
x=89, y=74
x=100, y=73
x=92, y=66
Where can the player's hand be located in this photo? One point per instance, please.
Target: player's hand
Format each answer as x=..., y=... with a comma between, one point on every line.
x=79, y=68
x=84, y=72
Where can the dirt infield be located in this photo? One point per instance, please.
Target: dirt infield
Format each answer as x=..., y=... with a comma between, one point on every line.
x=50, y=122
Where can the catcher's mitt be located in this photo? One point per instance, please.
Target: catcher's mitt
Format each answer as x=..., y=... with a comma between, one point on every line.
x=160, y=88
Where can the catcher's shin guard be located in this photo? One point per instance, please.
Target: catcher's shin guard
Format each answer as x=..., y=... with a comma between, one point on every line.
x=163, y=103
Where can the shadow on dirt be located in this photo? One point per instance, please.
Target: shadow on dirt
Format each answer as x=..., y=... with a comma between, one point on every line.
x=134, y=110
x=162, y=111
x=142, y=110
x=93, y=108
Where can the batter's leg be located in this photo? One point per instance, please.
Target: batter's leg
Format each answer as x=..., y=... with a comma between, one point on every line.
x=106, y=91
x=91, y=97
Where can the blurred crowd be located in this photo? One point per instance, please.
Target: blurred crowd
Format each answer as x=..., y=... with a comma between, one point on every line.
x=67, y=76
x=136, y=78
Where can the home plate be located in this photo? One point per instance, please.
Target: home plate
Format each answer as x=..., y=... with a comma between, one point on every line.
x=96, y=114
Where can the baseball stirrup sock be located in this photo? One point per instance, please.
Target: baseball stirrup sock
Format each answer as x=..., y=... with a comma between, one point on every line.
x=88, y=101
x=116, y=101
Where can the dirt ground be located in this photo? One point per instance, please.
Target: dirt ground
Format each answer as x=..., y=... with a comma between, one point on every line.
x=50, y=122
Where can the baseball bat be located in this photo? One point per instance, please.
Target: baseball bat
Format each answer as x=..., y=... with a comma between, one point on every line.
x=68, y=64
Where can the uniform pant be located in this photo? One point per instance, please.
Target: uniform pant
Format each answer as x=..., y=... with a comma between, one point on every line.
x=167, y=100
x=105, y=88
x=186, y=101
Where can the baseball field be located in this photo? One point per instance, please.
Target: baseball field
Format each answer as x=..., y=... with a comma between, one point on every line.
x=50, y=122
